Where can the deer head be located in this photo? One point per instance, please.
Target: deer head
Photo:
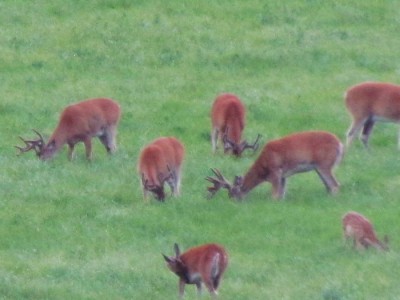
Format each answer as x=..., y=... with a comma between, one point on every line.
x=204, y=264
x=234, y=190
x=158, y=189
x=237, y=149
x=175, y=264
x=36, y=145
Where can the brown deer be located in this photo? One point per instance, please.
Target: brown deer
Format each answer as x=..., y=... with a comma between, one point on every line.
x=161, y=162
x=369, y=102
x=360, y=230
x=300, y=152
x=228, y=116
x=80, y=122
x=202, y=264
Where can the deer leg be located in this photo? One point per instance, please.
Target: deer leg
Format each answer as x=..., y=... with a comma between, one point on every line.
x=330, y=182
x=283, y=186
x=278, y=186
x=214, y=138
x=108, y=138
x=355, y=246
x=323, y=179
x=216, y=281
x=88, y=147
x=398, y=140
x=354, y=130
x=368, y=126
x=359, y=245
x=199, y=289
x=71, y=148
x=181, y=288
x=145, y=195
x=215, y=271
x=145, y=191
x=172, y=184
x=113, y=138
x=104, y=140
x=177, y=177
x=210, y=286
x=174, y=181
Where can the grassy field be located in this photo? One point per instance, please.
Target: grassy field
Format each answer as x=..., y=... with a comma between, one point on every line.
x=79, y=230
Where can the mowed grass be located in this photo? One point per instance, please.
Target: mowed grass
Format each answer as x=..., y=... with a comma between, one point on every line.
x=79, y=230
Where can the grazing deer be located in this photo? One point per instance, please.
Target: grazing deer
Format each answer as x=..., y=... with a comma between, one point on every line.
x=202, y=264
x=228, y=116
x=80, y=122
x=360, y=229
x=300, y=152
x=368, y=103
x=161, y=162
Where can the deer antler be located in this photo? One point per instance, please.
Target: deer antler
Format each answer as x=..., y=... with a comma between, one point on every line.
x=237, y=149
x=244, y=145
x=219, y=182
x=36, y=145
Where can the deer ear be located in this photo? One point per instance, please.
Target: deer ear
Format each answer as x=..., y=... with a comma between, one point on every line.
x=167, y=259
x=177, y=250
x=238, y=181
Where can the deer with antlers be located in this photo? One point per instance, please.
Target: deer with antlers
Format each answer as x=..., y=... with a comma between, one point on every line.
x=228, y=116
x=160, y=162
x=80, y=122
x=300, y=152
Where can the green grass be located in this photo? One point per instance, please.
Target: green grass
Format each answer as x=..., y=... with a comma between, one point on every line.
x=79, y=230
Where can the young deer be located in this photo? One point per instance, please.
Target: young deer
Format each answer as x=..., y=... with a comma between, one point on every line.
x=161, y=162
x=202, y=264
x=360, y=230
x=228, y=116
x=80, y=122
x=300, y=152
x=368, y=103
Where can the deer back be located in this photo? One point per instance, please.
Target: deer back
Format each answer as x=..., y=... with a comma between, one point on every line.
x=201, y=258
x=293, y=152
x=203, y=261
x=371, y=99
x=159, y=158
x=173, y=151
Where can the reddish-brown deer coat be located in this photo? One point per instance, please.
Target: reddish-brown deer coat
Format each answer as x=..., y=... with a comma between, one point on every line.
x=369, y=102
x=202, y=264
x=300, y=152
x=161, y=162
x=360, y=230
x=81, y=122
x=228, y=116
